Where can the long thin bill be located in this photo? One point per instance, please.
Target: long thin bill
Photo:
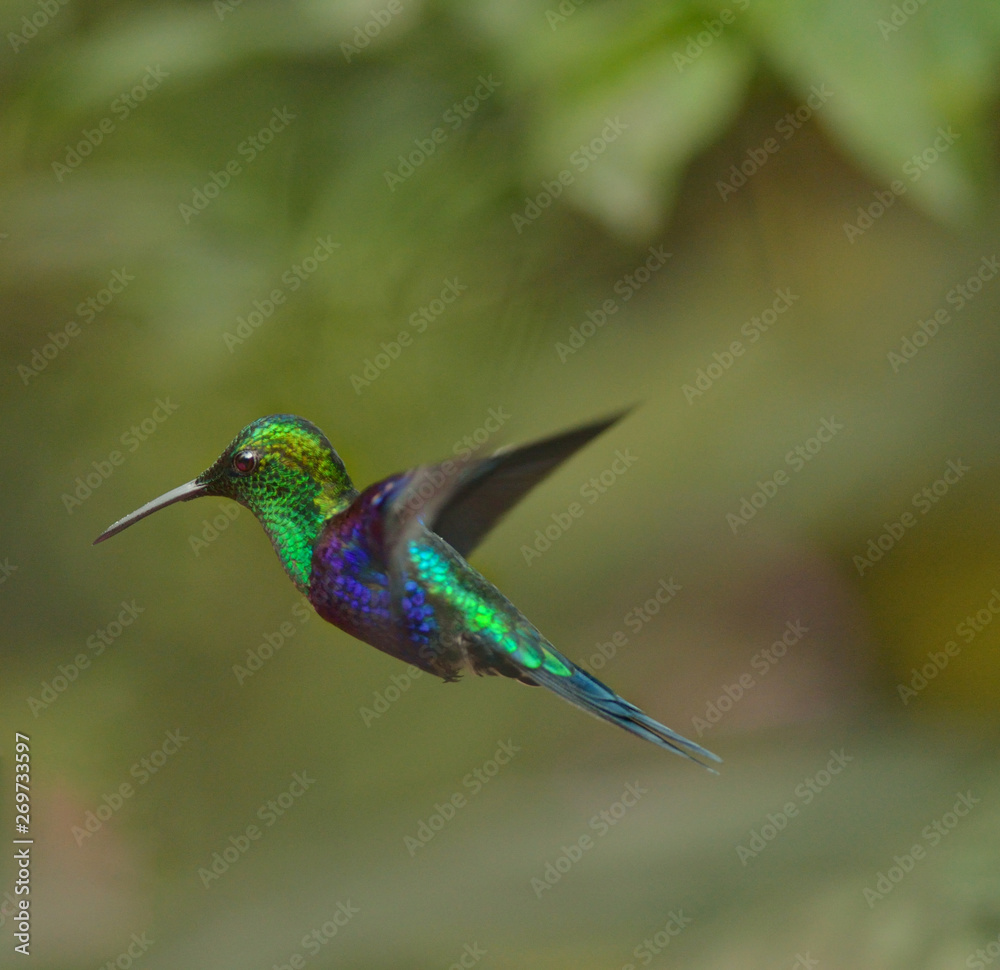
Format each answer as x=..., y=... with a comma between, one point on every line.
x=182, y=493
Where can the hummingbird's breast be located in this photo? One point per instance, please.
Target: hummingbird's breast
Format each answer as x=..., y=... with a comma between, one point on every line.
x=353, y=586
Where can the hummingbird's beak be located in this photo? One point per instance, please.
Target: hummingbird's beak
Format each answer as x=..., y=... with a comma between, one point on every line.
x=183, y=493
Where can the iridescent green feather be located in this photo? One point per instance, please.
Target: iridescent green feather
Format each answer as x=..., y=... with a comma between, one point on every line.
x=482, y=609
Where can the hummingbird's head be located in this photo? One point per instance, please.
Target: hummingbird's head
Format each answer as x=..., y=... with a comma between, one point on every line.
x=277, y=461
x=282, y=468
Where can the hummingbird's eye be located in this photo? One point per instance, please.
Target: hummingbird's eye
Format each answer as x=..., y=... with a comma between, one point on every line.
x=245, y=462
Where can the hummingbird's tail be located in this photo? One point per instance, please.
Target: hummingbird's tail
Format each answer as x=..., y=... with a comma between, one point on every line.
x=588, y=693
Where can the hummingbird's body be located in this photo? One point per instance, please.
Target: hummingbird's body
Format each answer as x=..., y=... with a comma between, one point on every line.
x=387, y=565
x=447, y=616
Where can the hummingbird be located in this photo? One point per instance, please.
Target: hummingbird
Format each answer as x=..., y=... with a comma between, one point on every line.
x=388, y=564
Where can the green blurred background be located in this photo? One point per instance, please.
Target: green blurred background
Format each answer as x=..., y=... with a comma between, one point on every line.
x=424, y=142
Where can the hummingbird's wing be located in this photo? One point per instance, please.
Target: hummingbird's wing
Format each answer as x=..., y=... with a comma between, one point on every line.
x=459, y=501
x=473, y=496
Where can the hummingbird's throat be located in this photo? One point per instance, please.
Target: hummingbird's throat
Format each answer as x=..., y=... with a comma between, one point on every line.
x=294, y=527
x=294, y=548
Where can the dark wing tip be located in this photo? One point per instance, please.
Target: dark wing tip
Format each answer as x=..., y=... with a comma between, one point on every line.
x=489, y=487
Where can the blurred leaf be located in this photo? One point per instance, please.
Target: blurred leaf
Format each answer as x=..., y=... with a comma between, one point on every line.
x=897, y=78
